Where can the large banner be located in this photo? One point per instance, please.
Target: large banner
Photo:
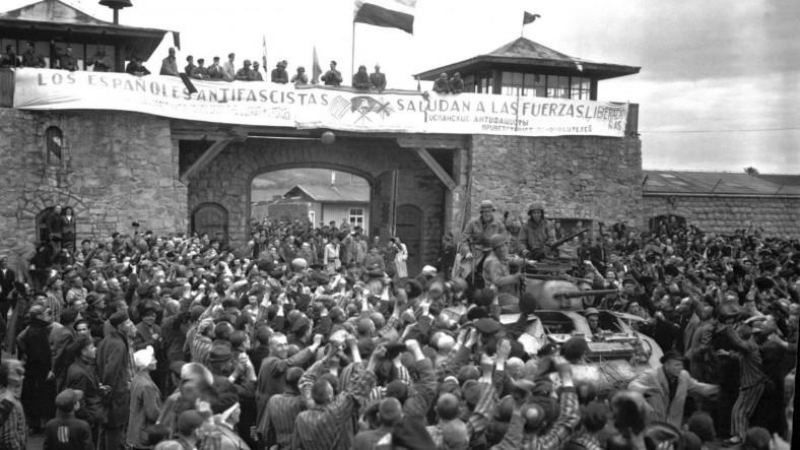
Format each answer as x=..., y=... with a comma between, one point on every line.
x=280, y=105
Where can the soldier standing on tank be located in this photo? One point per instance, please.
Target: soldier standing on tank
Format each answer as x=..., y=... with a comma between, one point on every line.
x=534, y=235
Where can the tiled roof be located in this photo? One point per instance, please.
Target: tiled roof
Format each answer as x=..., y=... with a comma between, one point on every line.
x=525, y=48
x=331, y=194
x=676, y=182
x=52, y=11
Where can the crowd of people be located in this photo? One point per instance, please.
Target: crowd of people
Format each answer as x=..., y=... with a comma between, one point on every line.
x=319, y=338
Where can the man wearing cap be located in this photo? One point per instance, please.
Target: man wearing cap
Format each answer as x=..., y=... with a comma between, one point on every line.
x=215, y=71
x=145, y=399
x=115, y=369
x=246, y=72
x=190, y=67
x=332, y=77
x=229, y=68
x=479, y=231
x=200, y=72
x=666, y=388
x=34, y=349
x=496, y=272
x=66, y=431
x=279, y=74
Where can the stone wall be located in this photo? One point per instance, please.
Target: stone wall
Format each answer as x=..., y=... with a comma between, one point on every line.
x=116, y=168
x=779, y=216
x=574, y=177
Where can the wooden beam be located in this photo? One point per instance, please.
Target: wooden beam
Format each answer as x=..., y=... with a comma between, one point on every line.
x=436, y=168
x=216, y=148
x=431, y=141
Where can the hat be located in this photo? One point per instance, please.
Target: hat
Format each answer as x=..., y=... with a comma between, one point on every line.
x=299, y=264
x=144, y=357
x=67, y=398
x=300, y=324
x=764, y=283
x=671, y=270
x=429, y=270
x=118, y=318
x=333, y=62
x=591, y=312
x=497, y=240
x=189, y=421
x=488, y=326
x=535, y=207
x=220, y=353
x=394, y=349
x=487, y=205
x=671, y=355
x=574, y=349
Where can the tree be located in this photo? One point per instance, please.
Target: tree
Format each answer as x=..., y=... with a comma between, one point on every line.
x=750, y=170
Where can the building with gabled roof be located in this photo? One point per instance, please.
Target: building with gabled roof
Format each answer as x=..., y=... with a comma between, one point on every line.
x=53, y=25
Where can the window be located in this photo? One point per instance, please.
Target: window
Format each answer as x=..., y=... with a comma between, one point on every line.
x=356, y=217
x=512, y=83
x=484, y=83
x=557, y=86
x=580, y=88
x=54, y=142
x=469, y=83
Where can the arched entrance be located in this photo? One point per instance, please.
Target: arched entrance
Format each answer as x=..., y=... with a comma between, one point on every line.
x=211, y=219
x=43, y=225
x=409, y=230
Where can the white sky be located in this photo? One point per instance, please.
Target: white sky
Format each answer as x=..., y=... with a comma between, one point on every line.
x=706, y=66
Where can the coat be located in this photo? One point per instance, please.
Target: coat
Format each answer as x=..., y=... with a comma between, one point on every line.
x=655, y=388
x=83, y=377
x=114, y=369
x=145, y=408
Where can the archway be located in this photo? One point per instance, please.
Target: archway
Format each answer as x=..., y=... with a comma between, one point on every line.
x=43, y=225
x=212, y=219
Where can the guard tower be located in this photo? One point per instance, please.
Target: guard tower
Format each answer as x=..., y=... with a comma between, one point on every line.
x=528, y=69
x=53, y=26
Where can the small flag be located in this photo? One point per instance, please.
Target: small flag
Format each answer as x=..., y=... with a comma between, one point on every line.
x=316, y=70
x=264, y=52
x=530, y=18
x=387, y=13
x=176, y=39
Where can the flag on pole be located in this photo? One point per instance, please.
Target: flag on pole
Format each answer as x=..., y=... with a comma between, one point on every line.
x=176, y=39
x=264, y=52
x=386, y=13
x=316, y=70
x=529, y=18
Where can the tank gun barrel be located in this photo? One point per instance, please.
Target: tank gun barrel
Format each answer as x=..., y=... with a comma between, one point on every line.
x=560, y=242
x=584, y=293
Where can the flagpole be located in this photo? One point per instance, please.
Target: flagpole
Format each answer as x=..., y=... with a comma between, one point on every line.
x=353, y=52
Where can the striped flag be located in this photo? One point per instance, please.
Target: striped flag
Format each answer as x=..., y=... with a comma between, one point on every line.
x=386, y=13
x=316, y=70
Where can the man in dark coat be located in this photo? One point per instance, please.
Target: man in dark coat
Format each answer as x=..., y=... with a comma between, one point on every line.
x=38, y=388
x=7, y=278
x=361, y=79
x=332, y=77
x=66, y=431
x=114, y=369
x=279, y=73
x=82, y=376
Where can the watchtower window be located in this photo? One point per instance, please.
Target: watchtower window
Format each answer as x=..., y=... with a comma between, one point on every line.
x=54, y=141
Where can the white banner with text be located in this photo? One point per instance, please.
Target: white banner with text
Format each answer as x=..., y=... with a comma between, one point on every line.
x=346, y=109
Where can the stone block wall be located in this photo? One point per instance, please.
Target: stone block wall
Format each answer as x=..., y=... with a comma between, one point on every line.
x=573, y=176
x=779, y=216
x=116, y=168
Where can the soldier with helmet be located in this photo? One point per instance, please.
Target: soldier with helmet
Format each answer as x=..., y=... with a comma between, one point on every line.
x=479, y=231
x=495, y=268
x=534, y=234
